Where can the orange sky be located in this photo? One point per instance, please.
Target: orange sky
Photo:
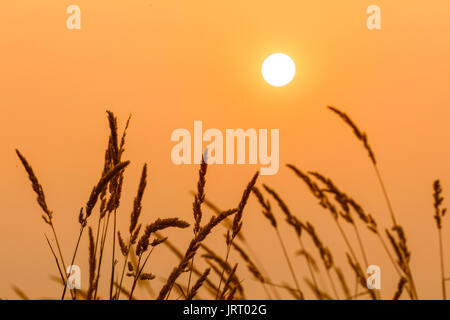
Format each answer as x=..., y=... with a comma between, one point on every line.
x=169, y=63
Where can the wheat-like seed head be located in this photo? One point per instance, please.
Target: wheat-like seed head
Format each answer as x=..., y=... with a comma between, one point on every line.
x=267, y=210
x=122, y=245
x=358, y=133
x=199, y=197
x=438, y=199
x=48, y=215
x=191, y=251
x=237, y=221
x=103, y=182
x=92, y=263
x=228, y=282
x=400, y=286
x=252, y=268
x=158, y=225
x=347, y=203
x=198, y=284
x=137, y=204
x=317, y=192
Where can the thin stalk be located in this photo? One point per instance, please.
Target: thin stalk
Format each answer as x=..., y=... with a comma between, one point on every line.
x=139, y=271
x=61, y=257
x=121, y=277
x=56, y=260
x=190, y=272
x=386, y=196
x=287, y=260
x=98, y=234
x=311, y=271
x=102, y=247
x=168, y=294
x=363, y=252
x=441, y=254
x=391, y=211
x=389, y=255
x=58, y=247
x=261, y=267
x=73, y=258
x=113, y=266
x=347, y=242
x=332, y=284
x=135, y=277
x=266, y=291
x=223, y=270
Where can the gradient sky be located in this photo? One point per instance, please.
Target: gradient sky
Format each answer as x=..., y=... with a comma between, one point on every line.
x=169, y=63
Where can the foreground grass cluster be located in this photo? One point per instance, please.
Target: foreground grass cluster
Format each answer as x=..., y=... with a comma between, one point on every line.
x=132, y=249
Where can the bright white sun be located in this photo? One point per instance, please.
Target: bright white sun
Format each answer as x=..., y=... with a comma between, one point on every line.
x=278, y=69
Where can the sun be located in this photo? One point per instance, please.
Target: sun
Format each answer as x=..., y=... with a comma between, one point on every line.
x=278, y=69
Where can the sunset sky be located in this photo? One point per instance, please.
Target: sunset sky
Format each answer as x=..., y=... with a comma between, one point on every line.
x=168, y=63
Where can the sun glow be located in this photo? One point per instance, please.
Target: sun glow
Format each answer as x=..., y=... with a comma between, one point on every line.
x=278, y=69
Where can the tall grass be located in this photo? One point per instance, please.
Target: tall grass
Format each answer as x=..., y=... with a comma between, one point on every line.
x=215, y=273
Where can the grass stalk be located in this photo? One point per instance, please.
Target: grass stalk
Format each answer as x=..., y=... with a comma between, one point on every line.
x=288, y=261
x=441, y=256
